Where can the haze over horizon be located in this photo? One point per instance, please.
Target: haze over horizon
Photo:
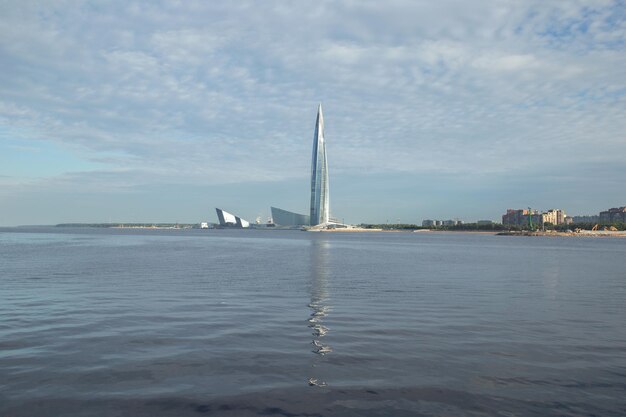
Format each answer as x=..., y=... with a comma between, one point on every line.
x=147, y=111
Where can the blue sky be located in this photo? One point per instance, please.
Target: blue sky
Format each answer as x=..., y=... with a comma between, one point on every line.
x=160, y=111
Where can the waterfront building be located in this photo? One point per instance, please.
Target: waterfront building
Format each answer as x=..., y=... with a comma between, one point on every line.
x=554, y=216
x=282, y=217
x=520, y=217
x=437, y=223
x=613, y=215
x=515, y=217
x=227, y=219
x=586, y=219
x=455, y=222
x=320, y=202
x=549, y=217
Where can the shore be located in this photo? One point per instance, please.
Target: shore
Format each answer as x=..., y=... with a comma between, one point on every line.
x=364, y=230
x=582, y=233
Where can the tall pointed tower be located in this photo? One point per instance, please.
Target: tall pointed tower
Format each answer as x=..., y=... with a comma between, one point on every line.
x=320, y=204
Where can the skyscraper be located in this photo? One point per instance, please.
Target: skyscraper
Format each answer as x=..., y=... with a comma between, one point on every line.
x=320, y=204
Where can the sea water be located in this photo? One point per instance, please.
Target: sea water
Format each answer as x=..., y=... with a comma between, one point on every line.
x=102, y=322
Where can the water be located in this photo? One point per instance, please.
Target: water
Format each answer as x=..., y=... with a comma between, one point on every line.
x=103, y=322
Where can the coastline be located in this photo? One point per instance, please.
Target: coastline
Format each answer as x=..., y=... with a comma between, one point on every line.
x=364, y=230
x=583, y=233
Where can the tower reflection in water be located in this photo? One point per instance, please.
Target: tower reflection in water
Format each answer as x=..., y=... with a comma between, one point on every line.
x=319, y=306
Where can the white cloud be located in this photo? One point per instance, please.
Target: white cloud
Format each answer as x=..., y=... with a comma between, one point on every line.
x=508, y=63
x=199, y=91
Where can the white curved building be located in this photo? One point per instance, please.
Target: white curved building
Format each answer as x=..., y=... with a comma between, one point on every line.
x=288, y=218
x=227, y=219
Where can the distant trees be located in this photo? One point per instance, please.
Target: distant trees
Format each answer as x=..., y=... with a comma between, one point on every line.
x=493, y=227
x=397, y=226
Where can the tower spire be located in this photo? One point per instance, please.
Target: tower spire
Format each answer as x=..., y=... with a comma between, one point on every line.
x=320, y=204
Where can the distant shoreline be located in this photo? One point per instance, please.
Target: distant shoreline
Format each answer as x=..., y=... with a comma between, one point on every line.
x=187, y=226
x=582, y=233
x=132, y=225
x=367, y=230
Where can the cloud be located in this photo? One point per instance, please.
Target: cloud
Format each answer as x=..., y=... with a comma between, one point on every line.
x=214, y=93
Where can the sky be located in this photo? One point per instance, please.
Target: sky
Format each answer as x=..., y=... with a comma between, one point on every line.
x=150, y=111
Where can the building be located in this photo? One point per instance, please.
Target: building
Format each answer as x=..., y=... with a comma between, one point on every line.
x=227, y=219
x=438, y=223
x=549, y=217
x=282, y=217
x=585, y=219
x=613, y=215
x=554, y=216
x=523, y=216
x=320, y=203
x=320, y=197
x=516, y=217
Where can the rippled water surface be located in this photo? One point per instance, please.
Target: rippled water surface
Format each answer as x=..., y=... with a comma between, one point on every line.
x=101, y=322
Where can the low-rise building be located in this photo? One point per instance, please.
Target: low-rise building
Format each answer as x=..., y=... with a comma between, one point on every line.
x=436, y=223
x=227, y=219
x=287, y=218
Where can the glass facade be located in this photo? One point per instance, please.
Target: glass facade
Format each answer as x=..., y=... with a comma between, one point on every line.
x=227, y=219
x=320, y=203
x=287, y=218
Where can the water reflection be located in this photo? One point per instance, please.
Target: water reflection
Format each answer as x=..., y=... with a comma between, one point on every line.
x=319, y=306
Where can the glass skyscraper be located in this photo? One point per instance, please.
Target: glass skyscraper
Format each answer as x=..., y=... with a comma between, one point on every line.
x=320, y=204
